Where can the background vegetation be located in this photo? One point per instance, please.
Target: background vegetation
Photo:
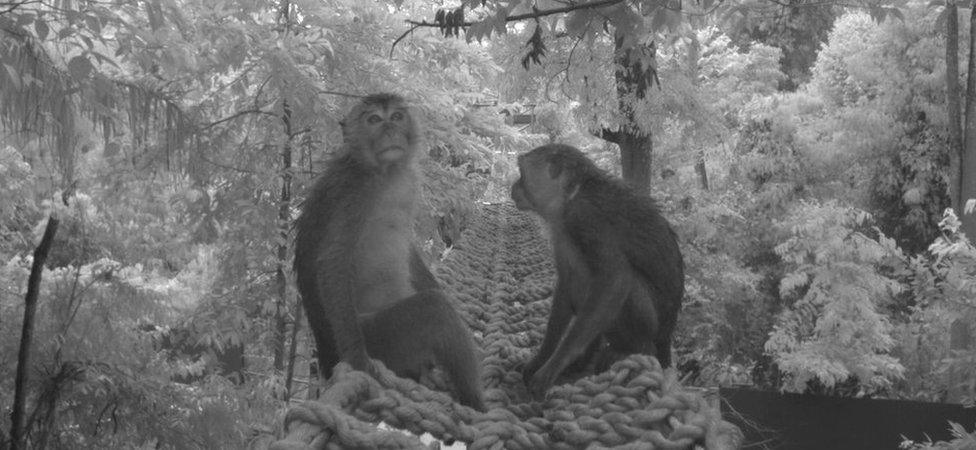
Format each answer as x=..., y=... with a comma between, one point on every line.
x=806, y=153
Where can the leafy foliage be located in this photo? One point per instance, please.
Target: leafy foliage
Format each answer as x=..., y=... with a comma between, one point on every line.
x=942, y=293
x=771, y=159
x=835, y=328
x=962, y=439
x=97, y=369
x=725, y=318
x=797, y=28
x=887, y=78
x=164, y=127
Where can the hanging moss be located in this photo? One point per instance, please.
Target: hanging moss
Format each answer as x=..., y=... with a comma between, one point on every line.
x=41, y=101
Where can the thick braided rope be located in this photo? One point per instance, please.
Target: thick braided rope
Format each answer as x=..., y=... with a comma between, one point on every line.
x=500, y=278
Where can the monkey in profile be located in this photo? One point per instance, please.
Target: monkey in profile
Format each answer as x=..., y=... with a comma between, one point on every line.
x=364, y=285
x=619, y=272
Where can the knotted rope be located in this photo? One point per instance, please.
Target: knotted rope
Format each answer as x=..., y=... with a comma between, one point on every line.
x=500, y=278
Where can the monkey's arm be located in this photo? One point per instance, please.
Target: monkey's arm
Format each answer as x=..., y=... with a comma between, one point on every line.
x=558, y=318
x=336, y=280
x=611, y=283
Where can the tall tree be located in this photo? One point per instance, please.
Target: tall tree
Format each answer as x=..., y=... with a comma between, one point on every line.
x=967, y=165
x=693, y=54
x=952, y=100
x=284, y=216
x=962, y=124
x=634, y=72
x=17, y=416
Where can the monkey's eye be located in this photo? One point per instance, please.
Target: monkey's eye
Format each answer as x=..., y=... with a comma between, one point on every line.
x=397, y=115
x=373, y=119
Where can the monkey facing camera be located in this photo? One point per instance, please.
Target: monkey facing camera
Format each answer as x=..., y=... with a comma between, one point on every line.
x=365, y=287
x=619, y=272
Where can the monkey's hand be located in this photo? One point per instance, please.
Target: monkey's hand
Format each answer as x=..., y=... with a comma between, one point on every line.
x=540, y=382
x=384, y=376
x=360, y=361
x=530, y=369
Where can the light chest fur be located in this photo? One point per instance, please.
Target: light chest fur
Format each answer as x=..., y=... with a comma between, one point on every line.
x=383, y=266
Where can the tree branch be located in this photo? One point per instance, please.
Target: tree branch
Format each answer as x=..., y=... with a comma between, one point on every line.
x=535, y=14
x=236, y=115
x=612, y=136
x=11, y=6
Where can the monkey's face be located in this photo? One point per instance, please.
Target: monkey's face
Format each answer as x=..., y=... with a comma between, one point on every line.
x=540, y=187
x=382, y=133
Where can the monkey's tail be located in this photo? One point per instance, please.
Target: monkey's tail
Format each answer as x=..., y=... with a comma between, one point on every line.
x=463, y=367
x=457, y=353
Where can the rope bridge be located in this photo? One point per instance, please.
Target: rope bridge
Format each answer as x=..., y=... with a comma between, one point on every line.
x=500, y=278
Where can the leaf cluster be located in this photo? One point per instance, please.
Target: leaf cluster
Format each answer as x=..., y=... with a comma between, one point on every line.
x=835, y=329
x=933, y=334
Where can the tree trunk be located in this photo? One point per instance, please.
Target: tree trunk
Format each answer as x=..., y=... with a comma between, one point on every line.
x=694, y=54
x=635, y=160
x=314, y=381
x=17, y=431
x=634, y=74
x=952, y=103
x=284, y=216
x=292, y=350
x=967, y=172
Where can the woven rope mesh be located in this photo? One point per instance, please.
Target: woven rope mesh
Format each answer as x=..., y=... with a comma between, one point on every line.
x=500, y=278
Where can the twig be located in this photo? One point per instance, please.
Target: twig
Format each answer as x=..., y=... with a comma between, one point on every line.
x=397, y=41
x=236, y=115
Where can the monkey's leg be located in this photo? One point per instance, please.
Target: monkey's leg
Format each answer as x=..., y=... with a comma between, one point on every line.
x=652, y=313
x=623, y=344
x=597, y=313
x=422, y=329
x=589, y=361
x=594, y=360
x=640, y=329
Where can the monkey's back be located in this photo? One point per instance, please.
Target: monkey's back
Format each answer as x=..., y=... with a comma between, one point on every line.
x=321, y=202
x=611, y=212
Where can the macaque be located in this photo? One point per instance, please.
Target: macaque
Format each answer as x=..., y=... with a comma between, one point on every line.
x=365, y=287
x=619, y=272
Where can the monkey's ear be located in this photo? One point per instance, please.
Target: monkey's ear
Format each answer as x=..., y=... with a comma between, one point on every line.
x=572, y=190
x=345, y=130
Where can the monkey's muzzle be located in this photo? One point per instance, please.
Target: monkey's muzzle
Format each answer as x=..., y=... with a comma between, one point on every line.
x=392, y=153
